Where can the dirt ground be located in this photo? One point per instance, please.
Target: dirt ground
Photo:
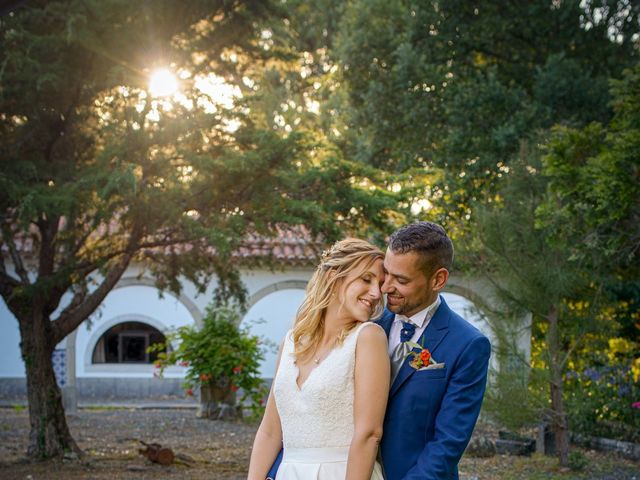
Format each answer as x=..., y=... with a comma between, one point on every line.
x=219, y=451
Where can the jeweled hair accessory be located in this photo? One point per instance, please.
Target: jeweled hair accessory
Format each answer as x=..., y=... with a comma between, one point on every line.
x=327, y=255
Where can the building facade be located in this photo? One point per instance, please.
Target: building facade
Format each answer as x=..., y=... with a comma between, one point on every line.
x=106, y=359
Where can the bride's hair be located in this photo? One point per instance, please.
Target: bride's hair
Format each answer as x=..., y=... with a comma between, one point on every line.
x=336, y=264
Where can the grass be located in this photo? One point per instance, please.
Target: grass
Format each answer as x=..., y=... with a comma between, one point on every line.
x=102, y=408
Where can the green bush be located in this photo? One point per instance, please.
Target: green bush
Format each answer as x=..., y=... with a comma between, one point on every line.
x=577, y=460
x=601, y=398
x=219, y=353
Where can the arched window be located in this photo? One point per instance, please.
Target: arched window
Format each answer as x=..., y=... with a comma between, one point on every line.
x=127, y=342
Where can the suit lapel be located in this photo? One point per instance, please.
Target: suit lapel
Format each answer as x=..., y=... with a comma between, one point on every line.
x=431, y=337
x=386, y=321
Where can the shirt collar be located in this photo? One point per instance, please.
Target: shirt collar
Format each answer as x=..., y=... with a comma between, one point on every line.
x=423, y=316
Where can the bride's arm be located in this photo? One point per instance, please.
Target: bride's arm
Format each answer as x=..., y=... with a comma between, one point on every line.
x=372, y=377
x=268, y=441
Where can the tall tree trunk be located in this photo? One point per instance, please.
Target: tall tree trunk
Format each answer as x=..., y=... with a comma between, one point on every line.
x=49, y=435
x=560, y=427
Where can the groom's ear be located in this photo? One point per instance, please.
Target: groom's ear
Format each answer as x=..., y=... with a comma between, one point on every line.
x=439, y=279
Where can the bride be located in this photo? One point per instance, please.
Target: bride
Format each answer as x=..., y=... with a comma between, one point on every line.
x=329, y=395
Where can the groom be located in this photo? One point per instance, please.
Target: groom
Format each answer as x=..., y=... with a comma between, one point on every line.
x=434, y=402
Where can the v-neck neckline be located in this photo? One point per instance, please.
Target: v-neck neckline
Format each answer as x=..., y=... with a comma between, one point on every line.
x=306, y=380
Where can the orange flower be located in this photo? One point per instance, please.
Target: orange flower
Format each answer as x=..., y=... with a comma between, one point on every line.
x=425, y=356
x=204, y=377
x=234, y=388
x=189, y=392
x=237, y=369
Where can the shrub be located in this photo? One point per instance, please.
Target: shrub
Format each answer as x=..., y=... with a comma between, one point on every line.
x=219, y=355
x=577, y=460
x=601, y=397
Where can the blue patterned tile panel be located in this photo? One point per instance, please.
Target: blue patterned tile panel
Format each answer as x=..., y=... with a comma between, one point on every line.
x=59, y=361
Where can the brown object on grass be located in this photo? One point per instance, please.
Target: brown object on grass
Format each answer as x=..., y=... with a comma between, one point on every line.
x=157, y=453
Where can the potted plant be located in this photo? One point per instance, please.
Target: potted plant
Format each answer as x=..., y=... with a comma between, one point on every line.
x=222, y=361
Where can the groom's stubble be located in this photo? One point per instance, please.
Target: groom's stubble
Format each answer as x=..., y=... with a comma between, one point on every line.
x=406, y=285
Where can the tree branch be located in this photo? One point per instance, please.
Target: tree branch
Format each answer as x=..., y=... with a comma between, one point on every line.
x=7, y=282
x=83, y=305
x=505, y=292
x=15, y=255
x=60, y=127
x=80, y=243
x=48, y=230
x=83, y=269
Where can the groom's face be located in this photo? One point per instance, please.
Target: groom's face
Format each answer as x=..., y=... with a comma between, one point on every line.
x=405, y=284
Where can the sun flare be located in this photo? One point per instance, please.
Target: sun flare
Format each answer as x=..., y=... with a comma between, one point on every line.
x=163, y=83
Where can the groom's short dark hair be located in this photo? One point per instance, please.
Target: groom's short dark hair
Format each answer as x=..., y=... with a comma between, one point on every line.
x=429, y=240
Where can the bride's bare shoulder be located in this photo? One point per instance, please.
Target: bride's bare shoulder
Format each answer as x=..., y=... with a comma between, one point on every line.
x=372, y=334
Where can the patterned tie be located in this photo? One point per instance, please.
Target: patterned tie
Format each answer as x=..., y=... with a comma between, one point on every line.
x=402, y=349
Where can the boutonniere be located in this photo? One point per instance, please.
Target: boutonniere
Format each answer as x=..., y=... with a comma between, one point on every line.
x=420, y=359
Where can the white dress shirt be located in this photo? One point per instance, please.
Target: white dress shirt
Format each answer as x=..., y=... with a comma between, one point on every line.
x=420, y=320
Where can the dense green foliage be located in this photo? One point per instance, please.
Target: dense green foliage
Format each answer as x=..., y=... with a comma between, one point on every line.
x=592, y=208
x=91, y=157
x=456, y=86
x=527, y=156
x=593, y=200
x=603, y=390
x=578, y=211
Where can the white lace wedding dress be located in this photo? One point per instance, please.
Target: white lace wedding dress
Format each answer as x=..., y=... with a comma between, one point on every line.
x=317, y=418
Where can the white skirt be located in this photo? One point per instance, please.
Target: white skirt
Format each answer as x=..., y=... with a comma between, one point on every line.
x=318, y=464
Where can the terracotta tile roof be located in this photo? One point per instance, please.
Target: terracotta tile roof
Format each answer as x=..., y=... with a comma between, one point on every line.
x=291, y=246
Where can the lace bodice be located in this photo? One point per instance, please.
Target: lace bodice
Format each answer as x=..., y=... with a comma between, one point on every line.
x=320, y=413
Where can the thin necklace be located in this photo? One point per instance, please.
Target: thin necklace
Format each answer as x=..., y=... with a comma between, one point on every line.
x=316, y=359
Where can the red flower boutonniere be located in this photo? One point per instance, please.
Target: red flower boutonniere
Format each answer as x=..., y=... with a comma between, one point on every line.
x=422, y=358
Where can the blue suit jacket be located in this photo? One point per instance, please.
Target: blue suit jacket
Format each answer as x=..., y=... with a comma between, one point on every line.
x=274, y=468
x=431, y=414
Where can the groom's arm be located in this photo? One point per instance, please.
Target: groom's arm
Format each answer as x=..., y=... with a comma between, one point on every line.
x=457, y=416
x=273, y=471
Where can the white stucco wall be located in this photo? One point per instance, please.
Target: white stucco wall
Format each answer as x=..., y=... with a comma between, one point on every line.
x=135, y=299
x=275, y=314
x=11, y=364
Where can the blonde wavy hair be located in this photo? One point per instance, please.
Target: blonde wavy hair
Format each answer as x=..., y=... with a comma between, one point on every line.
x=343, y=258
